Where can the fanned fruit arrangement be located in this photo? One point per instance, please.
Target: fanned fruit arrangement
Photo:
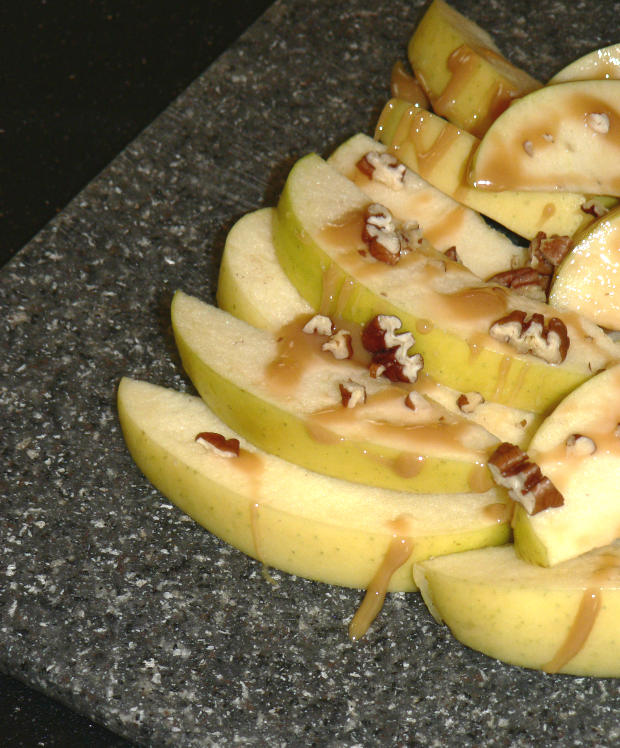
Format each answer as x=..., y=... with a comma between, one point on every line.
x=397, y=396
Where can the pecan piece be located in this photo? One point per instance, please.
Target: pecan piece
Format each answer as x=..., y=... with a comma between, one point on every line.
x=580, y=445
x=511, y=468
x=594, y=206
x=352, y=393
x=390, y=350
x=468, y=402
x=320, y=324
x=546, y=340
x=416, y=401
x=340, y=345
x=547, y=252
x=526, y=281
x=219, y=444
x=380, y=334
x=452, y=254
x=380, y=234
x=384, y=168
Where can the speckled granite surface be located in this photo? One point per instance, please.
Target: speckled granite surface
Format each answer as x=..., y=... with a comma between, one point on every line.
x=113, y=601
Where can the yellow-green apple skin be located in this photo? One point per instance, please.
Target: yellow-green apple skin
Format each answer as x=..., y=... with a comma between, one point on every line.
x=464, y=75
x=287, y=517
x=564, y=137
x=251, y=284
x=244, y=377
x=319, y=247
x=585, y=473
x=563, y=619
x=254, y=288
x=588, y=280
x=444, y=222
x=441, y=153
x=597, y=65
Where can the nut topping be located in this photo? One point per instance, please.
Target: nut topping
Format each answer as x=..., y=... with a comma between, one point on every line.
x=390, y=357
x=319, y=325
x=386, y=238
x=546, y=253
x=526, y=281
x=219, y=444
x=599, y=122
x=580, y=446
x=452, y=254
x=384, y=168
x=352, y=393
x=512, y=469
x=340, y=345
x=548, y=341
x=528, y=147
x=468, y=402
x=594, y=207
x=416, y=401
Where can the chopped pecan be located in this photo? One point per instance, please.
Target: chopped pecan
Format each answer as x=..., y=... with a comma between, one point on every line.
x=219, y=444
x=384, y=168
x=526, y=281
x=352, y=393
x=468, y=402
x=511, y=468
x=452, y=254
x=319, y=325
x=547, y=252
x=381, y=235
x=580, y=445
x=340, y=345
x=416, y=401
x=548, y=341
x=594, y=206
x=599, y=122
x=390, y=350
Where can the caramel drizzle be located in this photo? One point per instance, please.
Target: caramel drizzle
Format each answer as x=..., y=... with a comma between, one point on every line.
x=585, y=618
x=398, y=553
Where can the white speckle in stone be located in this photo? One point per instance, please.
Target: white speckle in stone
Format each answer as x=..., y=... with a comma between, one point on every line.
x=10, y=570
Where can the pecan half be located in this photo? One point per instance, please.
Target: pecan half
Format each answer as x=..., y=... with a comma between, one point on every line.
x=390, y=350
x=340, y=345
x=384, y=168
x=352, y=393
x=219, y=444
x=511, y=468
x=546, y=340
x=526, y=281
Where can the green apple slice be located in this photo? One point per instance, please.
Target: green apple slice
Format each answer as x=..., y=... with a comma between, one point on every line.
x=440, y=153
x=254, y=288
x=597, y=65
x=448, y=309
x=588, y=280
x=563, y=137
x=444, y=221
x=251, y=284
x=282, y=393
x=578, y=448
x=563, y=619
x=287, y=517
x=461, y=69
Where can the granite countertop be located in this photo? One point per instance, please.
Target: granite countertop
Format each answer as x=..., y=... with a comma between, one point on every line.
x=113, y=601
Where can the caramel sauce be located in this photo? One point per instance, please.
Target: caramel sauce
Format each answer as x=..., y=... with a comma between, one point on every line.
x=252, y=466
x=502, y=377
x=480, y=479
x=429, y=158
x=439, y=234
x=498, y=512
x=585, y=618
x=477, y=344
x=346, y=232
x=477, y=305
x=462, y=64
x=403, y=85
x=330, y=290
x=296, y=352
x=399, y=551
x=424, y=326
x=547, y=213
x=408, y=465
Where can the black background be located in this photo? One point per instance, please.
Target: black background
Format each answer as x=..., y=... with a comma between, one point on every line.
x=81, y=78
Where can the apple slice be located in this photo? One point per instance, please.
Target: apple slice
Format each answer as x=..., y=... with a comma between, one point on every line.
x=283, y=393
x=444, y=222
x=251, y=284
x=562, y=137
x=597, y=65
x=462, y=71
x=578, y=448
x=440, y=153
x=319, y=243
x=287, y=517
x=254, y=288
x=563, y=619
x=588, y=280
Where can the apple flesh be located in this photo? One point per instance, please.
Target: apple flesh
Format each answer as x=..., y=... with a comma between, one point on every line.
x=562, y=137
x=578, y=448
x=441, y=152
x=588, y=280
x=563, y=619
x=287, y=517
x=597, y=65
x=464, y=75
x=318, y=243
x=285, y=398
x=444, y=221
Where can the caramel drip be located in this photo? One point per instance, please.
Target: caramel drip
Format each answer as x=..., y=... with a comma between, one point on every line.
x=424, y=326
x=547, y=212
x=440, y=234
x=498, y=512
x=502, y=377
x=332, y=282
x=481, y=305
x=398, y=552
x=408, y=465
x=462, y=64
x=403, y=85
x=477, y=343
x=585, y=618
x=429, y=158
x=480, y=479
x=347, y=231
x=296, y=352
x=252, y=466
